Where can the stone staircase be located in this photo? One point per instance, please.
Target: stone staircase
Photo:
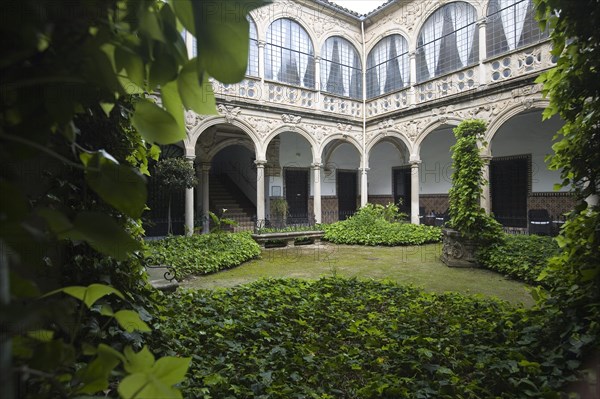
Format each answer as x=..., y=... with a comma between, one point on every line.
x=224, y=194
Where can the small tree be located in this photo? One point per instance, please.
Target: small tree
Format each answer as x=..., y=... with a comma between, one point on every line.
x=174, y=174
x=466, y=214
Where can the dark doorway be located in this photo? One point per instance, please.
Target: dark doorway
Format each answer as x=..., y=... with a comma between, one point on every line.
x=296, y=195
x=401, y=182
x=509, y=186
x=346, y=189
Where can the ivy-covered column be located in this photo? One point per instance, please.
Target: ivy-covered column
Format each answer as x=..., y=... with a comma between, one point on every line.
x=414, y=191
x=260, y=191
x=205, y=198
x=189, y=203
x=317, y=191
x=486, y=203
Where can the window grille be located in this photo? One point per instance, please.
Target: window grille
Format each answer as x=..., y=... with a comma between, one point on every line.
x=388, y=67
x=341, y=68
x=289, y=54
x=448, y=41
x=511, y=24
x=252, y=69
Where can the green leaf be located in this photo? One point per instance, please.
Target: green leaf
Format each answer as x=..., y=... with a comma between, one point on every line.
x=150, y=25
x=119, y=185
x=95, y=375
x=196, y=96
x=183, y=11
x=155, y=124
x=133, y=65
x=138, y=362
x=173, y=104
x=222, y=39
x=88, y=295
x=171, y=370
x=103, y=234
x=162, y=70
x=130, y=321
x=143, y=386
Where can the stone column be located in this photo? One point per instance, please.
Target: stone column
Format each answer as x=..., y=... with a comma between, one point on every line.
x=205, y=198
x=318, y=74
x=260, y=191
x=189, y=203
x=364, y=187
x=412, y=58
x=485, y=194
x=483, y=79
x=414, y=192
x=261, y=60
x=317, y=191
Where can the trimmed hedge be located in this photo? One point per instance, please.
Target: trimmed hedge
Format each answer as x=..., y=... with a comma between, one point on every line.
x=369, y=226
x=522, y=257
x=346, y=338
x=207, y=253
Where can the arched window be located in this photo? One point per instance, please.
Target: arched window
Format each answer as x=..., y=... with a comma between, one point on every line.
x=447, y=41
x=252, y=69
x=289, y=54
x=388, y=67
x=511, y=24
x=340, y=68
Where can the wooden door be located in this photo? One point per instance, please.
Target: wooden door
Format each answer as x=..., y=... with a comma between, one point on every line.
x=509, y=186
x=347, y=192
x=296, y=195
x=402, y=189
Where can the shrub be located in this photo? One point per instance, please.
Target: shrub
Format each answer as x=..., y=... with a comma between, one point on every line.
x=203, y=254
x=369, y=226
x=522, y=257
x=345, y=338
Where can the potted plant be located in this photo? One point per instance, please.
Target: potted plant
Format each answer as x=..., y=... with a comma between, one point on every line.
x=174, y=174
x=279, y=211
x=470, y=226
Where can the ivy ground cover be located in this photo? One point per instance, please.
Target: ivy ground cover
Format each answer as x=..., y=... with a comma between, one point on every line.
x=345, y=338
x=202, y=254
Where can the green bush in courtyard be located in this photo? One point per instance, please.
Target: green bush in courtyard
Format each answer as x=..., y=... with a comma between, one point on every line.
x=203, y=254
x=374, y=225
x=522, y=257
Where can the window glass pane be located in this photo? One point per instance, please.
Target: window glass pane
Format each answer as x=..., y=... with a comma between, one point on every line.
x=340, y=68
x=289, y=54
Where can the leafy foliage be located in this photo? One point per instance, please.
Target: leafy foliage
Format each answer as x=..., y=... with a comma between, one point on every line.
x=55, y=352
x=219, y=223
x=76, y=78
x=466, y=214
x=337, y=338
x=573, y=88
x=375, y=225
x=175, y=173
x=522, y=257
x=206, y=253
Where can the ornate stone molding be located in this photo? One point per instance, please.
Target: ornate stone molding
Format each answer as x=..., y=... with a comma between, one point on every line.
x=319, y=132
x=386, y=124
x=192, y=119
x=229, y=112
x=262, y=126
x=290, y=119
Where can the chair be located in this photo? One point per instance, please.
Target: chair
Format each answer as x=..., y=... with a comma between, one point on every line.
x=539, y=222
x=442, y=218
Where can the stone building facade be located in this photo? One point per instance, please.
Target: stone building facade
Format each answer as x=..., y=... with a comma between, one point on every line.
x=339, y=109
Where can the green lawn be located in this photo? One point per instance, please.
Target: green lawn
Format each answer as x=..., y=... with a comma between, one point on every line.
x=419, y=265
